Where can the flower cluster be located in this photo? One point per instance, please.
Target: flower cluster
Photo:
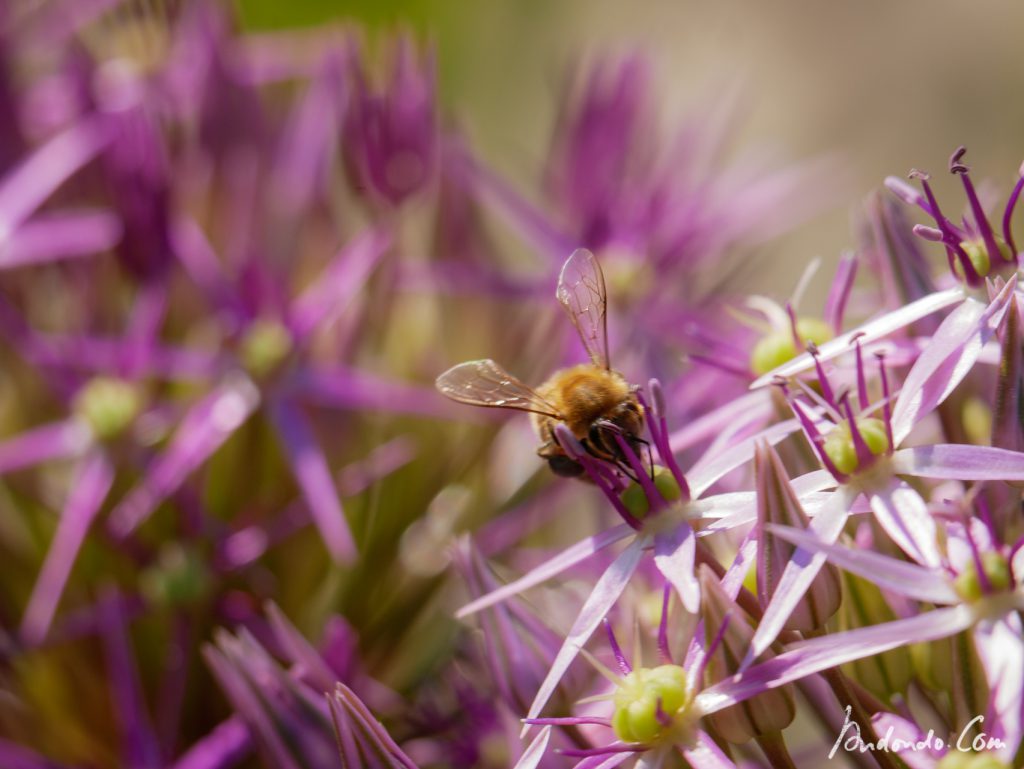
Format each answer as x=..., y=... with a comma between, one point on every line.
x=241, y=527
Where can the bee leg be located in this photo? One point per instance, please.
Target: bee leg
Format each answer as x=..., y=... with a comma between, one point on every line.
x=564, y=466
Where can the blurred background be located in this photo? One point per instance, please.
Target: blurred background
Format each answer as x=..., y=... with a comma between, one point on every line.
x=145, y=655
x=886, y=86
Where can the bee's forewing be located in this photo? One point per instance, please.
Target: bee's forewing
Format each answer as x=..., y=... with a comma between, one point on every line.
x=485, y=383
x=582, y=293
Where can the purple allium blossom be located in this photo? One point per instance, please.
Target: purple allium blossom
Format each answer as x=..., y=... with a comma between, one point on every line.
x=233, y=258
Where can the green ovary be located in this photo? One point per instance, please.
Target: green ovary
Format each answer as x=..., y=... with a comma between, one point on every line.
x=264, y=346
x=997, y=572
x=778, y=347
x=636, y=705
x=635, y=500
x=108, y=405
x=840, y=449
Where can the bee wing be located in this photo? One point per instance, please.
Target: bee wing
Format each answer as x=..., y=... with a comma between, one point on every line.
x=582, y=293
x=485, y=383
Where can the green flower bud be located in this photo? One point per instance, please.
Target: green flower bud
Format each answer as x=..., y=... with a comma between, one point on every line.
x=976, y=418
x=839, y=445
x=636, y=705
x=777, y=347
x=997, y=571
x=958, y=759
x=933, y=664
x=265, y=345
x=108, y=406
x=777, y=503
x=883, y=674
x=766, y=713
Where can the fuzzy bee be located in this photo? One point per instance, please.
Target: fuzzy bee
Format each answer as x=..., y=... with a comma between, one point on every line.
x=595, y=402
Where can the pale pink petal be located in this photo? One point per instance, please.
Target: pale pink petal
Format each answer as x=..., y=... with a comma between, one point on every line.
x=675, y=556
x=709, y=470
x=896, y=728
x=801, y=571
x=748, y=408
x=532, y=756
x=706, y=754
x=564, y=560
x=888, y=573
x=867, y=333
x=905, y=517
x=604, y=595
x=952, y=352
x=1000, y=644
x=960, y=462
x=835, y=649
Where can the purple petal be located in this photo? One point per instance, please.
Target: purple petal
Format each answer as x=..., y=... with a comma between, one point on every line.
x=533, y=755
x=101, y=355
x=833, y=650
x=867, y=333
x=307, y=141
x=314, y=478
x=52, y=237
x=749, y=406
x=60, y=440
x=200, y=261
x=361, y=736
x=801, y=571
x=561, y=562
x=527, y=219
x=889, y=574
x=226, y=746
x=204, y=429
x=904, y=515
x=141, y=748
x=26, y=188
x=604, y=595
x=89, y=488
x=675, y=556
x=342, y=279
x=707, y=471
x=297, y=650
x=15, y=756
x=960, y=462
x=952, y=352
x=344, y=388
x=248, y=705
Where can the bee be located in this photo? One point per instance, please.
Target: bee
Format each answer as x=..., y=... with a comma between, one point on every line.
x=595, y=402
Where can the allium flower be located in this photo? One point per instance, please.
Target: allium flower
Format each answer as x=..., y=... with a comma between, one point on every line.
x=957, y=342
x=862, y=455
x=980, y=582
x=657, y=508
